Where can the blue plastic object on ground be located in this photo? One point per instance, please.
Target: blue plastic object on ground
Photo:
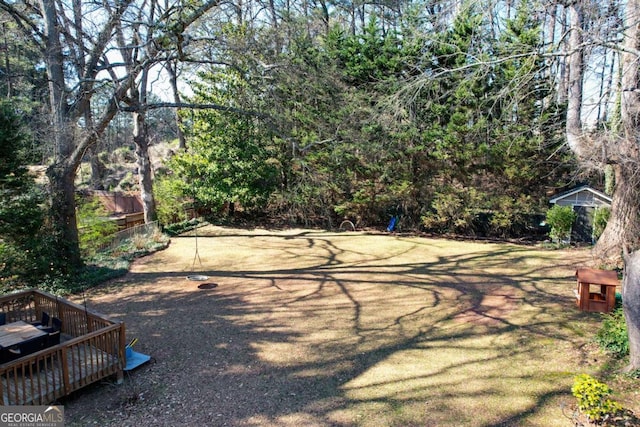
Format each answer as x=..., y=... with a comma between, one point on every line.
x=135, y=359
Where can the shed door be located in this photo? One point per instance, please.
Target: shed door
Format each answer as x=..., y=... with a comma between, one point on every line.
x=583, y=226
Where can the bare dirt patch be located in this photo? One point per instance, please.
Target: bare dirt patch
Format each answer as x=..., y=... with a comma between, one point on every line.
x=316, y=328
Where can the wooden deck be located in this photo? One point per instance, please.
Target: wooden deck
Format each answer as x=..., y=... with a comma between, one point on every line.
x=32, y=386
x=92, y=349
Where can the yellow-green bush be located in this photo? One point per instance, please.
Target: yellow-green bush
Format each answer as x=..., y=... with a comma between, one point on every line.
x=593, y=398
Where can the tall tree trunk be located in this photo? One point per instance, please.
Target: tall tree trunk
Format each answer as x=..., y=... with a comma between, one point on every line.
x=7, y=63
x=62, y=172
x=141, y=140
x=621, y=233
x=562, y=74
x=631, y=306
x=623, y=226
x=171, y=68
x=575, y=64
x=325, y=16
x=63, y=215
x=98, y=169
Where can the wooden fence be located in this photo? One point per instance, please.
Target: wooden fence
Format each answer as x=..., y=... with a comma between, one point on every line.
x=92, y=348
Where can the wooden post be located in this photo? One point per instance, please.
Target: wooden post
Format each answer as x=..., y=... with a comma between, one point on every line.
x=121, y=355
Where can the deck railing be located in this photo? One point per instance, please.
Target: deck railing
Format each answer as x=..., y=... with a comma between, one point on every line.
x=92, y=349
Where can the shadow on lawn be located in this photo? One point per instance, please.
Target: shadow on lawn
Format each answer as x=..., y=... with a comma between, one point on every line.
x=307, y=346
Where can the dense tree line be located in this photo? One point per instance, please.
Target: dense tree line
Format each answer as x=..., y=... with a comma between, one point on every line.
x=343, y=132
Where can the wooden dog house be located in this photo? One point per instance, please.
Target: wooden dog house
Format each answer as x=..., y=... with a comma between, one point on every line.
x=596, y=290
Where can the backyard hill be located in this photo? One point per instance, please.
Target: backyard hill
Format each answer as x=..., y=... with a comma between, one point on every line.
x=117, y=170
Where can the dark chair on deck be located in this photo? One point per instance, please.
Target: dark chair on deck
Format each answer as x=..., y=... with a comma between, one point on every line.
x=44, y=321
x=53, y=338
x=56, y=324
x=24, y=349
x=30, y=346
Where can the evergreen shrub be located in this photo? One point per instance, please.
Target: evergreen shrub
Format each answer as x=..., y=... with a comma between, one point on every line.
x=25, y=249
x=453, y=210
x=95, y=227
x=560, y=219
x=612, y=335
x=170, y=200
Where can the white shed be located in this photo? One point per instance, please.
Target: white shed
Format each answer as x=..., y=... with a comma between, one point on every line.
x=584, y=200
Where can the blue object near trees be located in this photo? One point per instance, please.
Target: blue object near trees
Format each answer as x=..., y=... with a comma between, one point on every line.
x=392, y=223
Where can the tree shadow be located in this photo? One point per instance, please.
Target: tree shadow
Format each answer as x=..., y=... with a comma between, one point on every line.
x=353, y=335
